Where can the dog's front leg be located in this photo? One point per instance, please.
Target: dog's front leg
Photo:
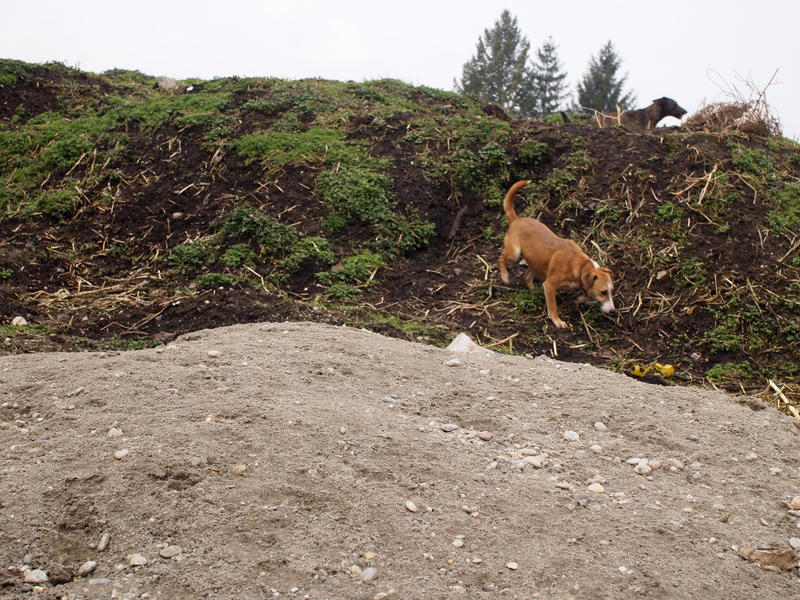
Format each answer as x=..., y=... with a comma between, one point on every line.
x=552, y=310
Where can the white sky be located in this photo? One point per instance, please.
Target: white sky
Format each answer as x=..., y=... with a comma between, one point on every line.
x=688, y=50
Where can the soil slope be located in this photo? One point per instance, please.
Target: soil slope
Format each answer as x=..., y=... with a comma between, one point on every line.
x=130, y=214
x=298, y=460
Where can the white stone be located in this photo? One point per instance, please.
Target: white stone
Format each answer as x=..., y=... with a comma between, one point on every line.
x=369, y=574
x=87, y=567
x=410, y=506
x=35, y=576
x=167, y=84
x=538, y=461
x=137, y=560
x=463, y=343
x=600, y=426
x=214, y=353
x=103, y=542
x=170, y=551
x=19, y=322
x=676, y=464
x=596, y=488
x=571, y=436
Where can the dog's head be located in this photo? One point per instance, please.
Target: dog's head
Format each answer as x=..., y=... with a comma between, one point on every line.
x=598, y=285
x=669, y=108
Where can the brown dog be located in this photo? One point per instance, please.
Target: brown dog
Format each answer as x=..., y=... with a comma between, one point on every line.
x=558, y=262
x=646, y=118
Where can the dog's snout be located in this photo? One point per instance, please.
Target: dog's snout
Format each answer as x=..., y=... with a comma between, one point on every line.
x=607, y=307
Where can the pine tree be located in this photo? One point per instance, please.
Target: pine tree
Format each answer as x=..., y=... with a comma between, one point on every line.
x=548, y=87
x=498, y=72
x=600, y=89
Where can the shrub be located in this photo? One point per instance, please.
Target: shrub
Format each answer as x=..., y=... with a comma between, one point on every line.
x=729, y=372
x=359, y=268
x=217, y=280
x=315, y=146
x=187, y=257
x=58, y=204
x=531, y=151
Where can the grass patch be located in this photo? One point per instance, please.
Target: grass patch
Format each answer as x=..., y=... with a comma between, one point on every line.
x=47, y=145
x=731, y=372
x=205, y=109
x=784, y=215
x=186, y=258
x=274, y=149
x=357, y=269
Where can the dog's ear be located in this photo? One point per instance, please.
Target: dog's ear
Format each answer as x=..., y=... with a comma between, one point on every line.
x=588, y=279
x=607, y=271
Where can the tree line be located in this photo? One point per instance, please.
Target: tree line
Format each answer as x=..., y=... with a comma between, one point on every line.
x=504, y=72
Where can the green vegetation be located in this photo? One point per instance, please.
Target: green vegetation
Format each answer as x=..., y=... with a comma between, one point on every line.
x=246, y=237
x=528, y=302
x=275, y=149
x=669, y=212
x=24, y=330
x=750, y=162
x=784, y=217
x=411, y=329
x=357, y=269
x=49, y=144
x=730, y=372
x=11, y=71
x=693, y=273
x=359, y=195
x=531, y=152
x=186, y=258
x=217, y=280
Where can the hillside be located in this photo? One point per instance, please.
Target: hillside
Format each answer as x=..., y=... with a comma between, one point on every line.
x=130, y=215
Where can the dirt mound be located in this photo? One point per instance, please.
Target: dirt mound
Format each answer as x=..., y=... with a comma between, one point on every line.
x=301, y=459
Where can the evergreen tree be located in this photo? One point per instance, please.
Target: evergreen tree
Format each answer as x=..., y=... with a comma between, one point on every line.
x=600, y=88
x=498, y=72
x=548, y=86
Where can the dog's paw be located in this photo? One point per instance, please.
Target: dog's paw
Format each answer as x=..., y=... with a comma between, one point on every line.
x=560, y=324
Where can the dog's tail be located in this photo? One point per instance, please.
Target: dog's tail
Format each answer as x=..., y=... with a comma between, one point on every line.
x=508, y=201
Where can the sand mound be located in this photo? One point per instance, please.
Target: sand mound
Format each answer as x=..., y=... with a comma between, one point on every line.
x=301, y=460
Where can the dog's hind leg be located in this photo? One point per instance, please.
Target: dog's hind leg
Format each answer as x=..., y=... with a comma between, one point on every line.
x=509, y=255
x=528, y=277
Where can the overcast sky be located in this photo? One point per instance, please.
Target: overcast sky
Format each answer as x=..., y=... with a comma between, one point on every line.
x=692, y=51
